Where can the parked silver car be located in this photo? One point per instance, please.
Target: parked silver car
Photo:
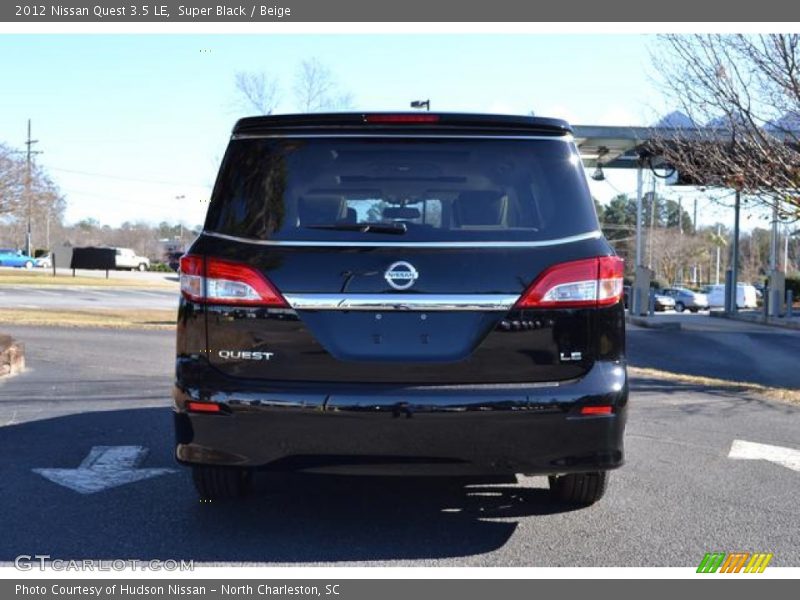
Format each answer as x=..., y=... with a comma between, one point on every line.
x=662, y=302
x=686, y=299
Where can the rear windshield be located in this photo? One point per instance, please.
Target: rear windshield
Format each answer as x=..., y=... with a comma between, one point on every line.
x=357, y=189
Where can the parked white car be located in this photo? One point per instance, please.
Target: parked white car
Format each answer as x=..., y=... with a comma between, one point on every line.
x=746, y=296
x=45, y=261
x=128, y=259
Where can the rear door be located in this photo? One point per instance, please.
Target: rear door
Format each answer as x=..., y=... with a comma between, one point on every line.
x=401, y=260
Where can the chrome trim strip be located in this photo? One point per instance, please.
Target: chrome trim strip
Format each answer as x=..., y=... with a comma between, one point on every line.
x=567, y=137
x=591, y=235
x=392, y=302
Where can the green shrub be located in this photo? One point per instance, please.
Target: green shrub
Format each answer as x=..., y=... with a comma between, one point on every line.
x=160, y=267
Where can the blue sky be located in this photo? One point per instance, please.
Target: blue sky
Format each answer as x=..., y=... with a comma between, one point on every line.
x=129, y=124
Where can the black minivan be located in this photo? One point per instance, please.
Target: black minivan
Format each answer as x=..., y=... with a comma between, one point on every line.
x=396, y=293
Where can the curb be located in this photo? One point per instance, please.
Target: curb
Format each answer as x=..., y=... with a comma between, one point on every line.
x=12, y=357
x=759, y=319
x=648, y=324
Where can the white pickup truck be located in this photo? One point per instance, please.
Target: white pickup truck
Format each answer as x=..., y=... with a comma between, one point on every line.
x=128, y=259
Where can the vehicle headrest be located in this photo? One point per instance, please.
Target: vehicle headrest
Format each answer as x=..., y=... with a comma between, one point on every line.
x=481, y=208
x=321, y=211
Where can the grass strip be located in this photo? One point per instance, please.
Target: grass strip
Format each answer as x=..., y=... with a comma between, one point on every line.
x=107, y=318
x=45, y=279
x=772, y=393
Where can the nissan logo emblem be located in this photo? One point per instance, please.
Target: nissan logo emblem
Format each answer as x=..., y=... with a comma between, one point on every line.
x=401, y=275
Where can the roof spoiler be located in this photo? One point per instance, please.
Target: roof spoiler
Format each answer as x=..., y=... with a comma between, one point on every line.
x=385, y=121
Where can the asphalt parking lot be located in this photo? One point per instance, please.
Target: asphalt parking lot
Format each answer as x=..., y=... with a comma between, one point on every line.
x=92, y=396
x=85, y=297
x=719, y=348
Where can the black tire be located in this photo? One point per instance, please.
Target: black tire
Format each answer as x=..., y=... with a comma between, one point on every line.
x=679, y=307
x=142, y=267
x=28, y=264
x=218, y=483
x=579, y=488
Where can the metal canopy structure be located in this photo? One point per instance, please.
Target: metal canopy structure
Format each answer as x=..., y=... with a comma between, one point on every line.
x=615, y=147
x=620, y=147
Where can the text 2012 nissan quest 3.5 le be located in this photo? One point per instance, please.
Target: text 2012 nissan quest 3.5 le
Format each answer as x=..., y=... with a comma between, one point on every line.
x=395, y=292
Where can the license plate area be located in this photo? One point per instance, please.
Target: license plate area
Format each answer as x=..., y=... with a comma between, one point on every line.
x=408, y=336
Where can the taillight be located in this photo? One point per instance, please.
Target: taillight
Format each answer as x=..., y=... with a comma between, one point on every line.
x=203, y=407
x=596, y=410
x=401, y=118
x=585, y=283
x=226, y=282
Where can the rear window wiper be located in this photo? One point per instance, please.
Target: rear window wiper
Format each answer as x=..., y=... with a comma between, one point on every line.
x=395, y=228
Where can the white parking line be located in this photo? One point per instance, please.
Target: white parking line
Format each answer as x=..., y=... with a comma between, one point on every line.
x=786, y=457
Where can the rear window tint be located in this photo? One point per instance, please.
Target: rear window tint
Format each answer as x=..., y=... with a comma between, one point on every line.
x=401, y=190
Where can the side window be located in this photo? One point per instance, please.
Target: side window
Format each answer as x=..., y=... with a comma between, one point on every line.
x=432, y=212
x=365, y=210
x=429, y=210
x=377, y=210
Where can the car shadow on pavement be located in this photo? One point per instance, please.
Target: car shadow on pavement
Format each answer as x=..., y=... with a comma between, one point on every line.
x=287, y=519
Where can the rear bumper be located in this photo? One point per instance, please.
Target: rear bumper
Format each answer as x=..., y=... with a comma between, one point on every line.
x=535, y=428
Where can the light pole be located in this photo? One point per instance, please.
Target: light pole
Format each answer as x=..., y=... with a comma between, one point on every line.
x=181, y=197
x=719, y=242
x=789, y=234
x=28, y=192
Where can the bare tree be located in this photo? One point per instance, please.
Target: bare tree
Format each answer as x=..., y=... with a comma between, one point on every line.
x=674, y=253
x=743, y=94
x=257, y=91
x=11, y=180
x=315, y=88
x=40, y=196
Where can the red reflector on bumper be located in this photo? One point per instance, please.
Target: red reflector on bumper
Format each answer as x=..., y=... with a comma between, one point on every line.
x=206, y=407
x=596, y=410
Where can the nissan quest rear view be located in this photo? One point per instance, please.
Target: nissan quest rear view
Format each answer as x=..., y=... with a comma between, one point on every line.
x=401, y=292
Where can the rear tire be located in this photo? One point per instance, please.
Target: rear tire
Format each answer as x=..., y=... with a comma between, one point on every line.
x=142, y=267
x=28, y=265
x=579, y=488
x=218, y=483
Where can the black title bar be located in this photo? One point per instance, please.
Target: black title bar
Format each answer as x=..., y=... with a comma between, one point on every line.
x=460, y=11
